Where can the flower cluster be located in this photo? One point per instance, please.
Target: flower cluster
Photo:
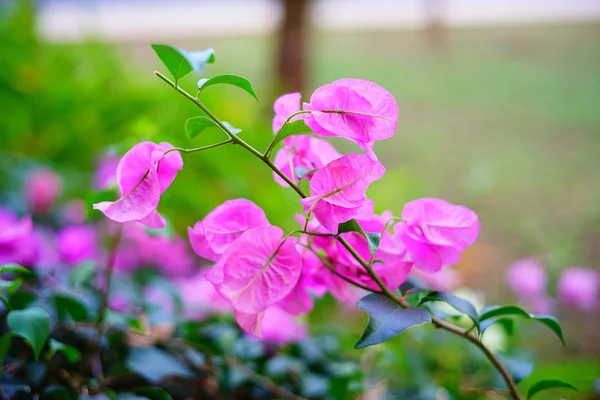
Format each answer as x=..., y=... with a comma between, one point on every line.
x=268, y=276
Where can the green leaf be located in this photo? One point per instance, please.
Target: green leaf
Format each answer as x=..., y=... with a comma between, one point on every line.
x=298, y=127
x=10, y=286
x=33, y=325
x=21, y=299
x=4, y=347
x=457, y=303
x=493, y=313
x=229, y=79
x=387, y=319
x=14, y=268
x=153, y=393
x=82, y=274
x=195, y=125
x=180, y=62
x=373, y=238
x=548, y=384
x=73, y=355
x=66, y=305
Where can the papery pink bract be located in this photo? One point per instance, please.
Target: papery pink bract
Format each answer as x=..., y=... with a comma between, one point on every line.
x=285, y=106
x=259, y=269
x=338, y=191
x=143, y=174
x=436, y=232
x=17, y=243
x=305, y=152
x=281, y=327
x=355, y=109
x=42, y=188
x=250, y=322
x=578, y=288
x=299, y=300
x=527, y=278
x=77, y=243
x=211, y=237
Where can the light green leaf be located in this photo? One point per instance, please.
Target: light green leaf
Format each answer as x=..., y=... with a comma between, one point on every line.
x=14, y=268
x=180, y=62
x=548, y=384
x=373, y=238
x=73, y=355
x=229, y=79
x=33, y=325
x=82, y=274
x=298, y=127
x=195, y=125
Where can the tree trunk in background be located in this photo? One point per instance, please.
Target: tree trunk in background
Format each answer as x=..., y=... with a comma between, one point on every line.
x=292, y=45
x=435, y=29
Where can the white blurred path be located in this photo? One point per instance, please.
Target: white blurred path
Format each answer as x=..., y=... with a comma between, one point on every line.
x=133, y=20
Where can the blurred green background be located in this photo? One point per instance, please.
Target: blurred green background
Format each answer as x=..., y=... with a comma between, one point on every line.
x=503, y=120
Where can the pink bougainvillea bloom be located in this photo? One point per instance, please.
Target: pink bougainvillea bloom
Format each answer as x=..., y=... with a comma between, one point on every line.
x=17, y=243
x=273, y=325
x=106, y=174
x=578, y=287
x=303, y=152
x=42, y=188
x=199, y=297
x=338, y=191
x=355, y=109
x=75, y=212
x=77, y=243
x=436, y=232
x=259, y=269
x=527, y=278
x=444, y=280
x=143, y=174
x=211, y=237
x=285, y=106
x=299, y=300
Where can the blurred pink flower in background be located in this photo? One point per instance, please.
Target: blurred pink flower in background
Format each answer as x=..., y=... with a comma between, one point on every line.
x=17, y=243
x=106, y=174
x=42, y=188
x=445, y=280
x=527, y=278
x=200, y=298
x=75, y=211
x=578, y=288
x=281, y=327
x=77, y=243
x=542, y=304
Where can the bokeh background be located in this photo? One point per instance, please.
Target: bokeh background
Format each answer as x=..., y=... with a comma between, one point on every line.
x=499, y=110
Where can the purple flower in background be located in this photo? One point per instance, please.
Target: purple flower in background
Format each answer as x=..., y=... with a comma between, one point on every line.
x=527, y=278
x=17, y=243
x=77, y=243
x=42, y=188
x=578, y=287
x=542, y=304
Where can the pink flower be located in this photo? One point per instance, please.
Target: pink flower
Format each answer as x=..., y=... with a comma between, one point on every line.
x=106, y=174
x=77, y=243
x=435, y=232
x=74, y=212
x=285, y=106
x=354, y=109
x=303, y=152
x=444, y=280
x=338, y=191
x=143, y=174
x=42, y=188
x=542, y=304
x=273, y=324
x=17, y=242
x=527, y=278
x=211, y=237
x=200, y=298
x=259, y=269
x=578, y=287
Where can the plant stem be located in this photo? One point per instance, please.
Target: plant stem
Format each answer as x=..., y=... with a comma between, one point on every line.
x=195, y=149
x=384, y=289
x=274, y=140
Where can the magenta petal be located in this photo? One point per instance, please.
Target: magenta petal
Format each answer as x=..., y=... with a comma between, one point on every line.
x=285, y=106
x=153, y=220
x=250, y=322
x=299, y=300
x=135, y=204
x=199, y=242
x=259, y=269
x=168, y=166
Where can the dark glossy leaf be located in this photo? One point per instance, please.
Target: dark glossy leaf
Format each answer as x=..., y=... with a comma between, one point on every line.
x=298, y=127
x=71, y=353
x=153, y=393
x=229, y=79
x=195, y=125
x=457, y=303
x=4, y=347
x=33, y=325
x=82, y=274
x=387, y=319
x=180, y=62
x=491, y=314
x=14, y=268
x=21, y=299
x=66, y=305
x=55, y=392
x=373, y=238
x=548, y=384
x=155, y=365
